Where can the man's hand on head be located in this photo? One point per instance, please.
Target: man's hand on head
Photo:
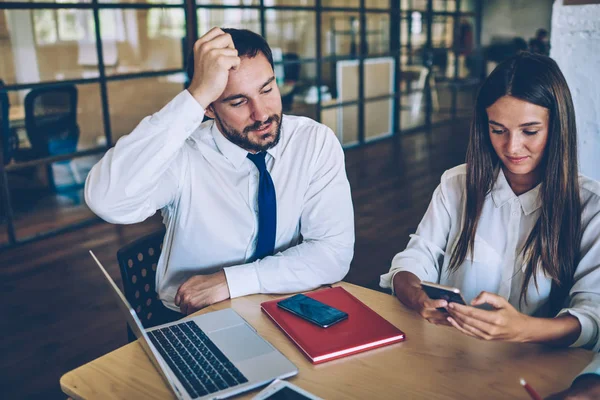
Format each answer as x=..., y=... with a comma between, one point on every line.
x=214, y=56
x=201, y=291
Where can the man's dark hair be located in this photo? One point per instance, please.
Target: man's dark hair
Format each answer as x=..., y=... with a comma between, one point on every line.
x=247, y=43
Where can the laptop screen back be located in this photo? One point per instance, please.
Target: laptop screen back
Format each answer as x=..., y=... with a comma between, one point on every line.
x=138, y=329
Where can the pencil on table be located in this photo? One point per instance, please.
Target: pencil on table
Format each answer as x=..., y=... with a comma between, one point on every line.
x=532, y=393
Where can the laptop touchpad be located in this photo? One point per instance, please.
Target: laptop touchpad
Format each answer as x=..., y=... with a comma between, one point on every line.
x=240, y=343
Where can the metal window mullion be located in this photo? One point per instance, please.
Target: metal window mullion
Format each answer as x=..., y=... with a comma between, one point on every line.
x=87, y=81
x=409, y=48
x=138, y=6
x=191, y=28
x=478, y=24
x=395, y=41
x=49, y=5
x=263, y=20
x=102, y=74
x=319, y=64
x=48, y=160
x=15, y=5
x=429, y=52
x=361, y=70
x=359, y=102
x=454, y=88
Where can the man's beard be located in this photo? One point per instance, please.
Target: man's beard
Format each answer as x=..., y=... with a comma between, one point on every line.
x=241, y=138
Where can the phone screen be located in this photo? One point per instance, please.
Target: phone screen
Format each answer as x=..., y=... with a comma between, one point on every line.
x=312, y=310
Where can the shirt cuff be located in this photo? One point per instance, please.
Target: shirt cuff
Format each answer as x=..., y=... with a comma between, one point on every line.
x=242, y=280
x=587, y=327
x=387, y=280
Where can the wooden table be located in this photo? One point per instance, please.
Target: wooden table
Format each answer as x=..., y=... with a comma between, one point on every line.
x=433, y=363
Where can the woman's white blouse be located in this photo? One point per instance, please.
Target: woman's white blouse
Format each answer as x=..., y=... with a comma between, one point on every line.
x=497, y=264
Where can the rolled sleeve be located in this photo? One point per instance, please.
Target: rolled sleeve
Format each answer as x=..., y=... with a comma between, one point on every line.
x=584, y=296
x=588, y=338
x=242, y=280
x=386, y=281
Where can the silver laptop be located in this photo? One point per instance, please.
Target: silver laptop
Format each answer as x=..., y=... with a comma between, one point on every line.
x=212, y=356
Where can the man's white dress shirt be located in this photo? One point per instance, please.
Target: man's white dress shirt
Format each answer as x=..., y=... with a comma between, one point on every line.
x=207, y=189
x=497, y=265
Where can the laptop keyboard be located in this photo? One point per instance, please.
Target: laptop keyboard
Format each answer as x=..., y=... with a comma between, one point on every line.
x=199, y=365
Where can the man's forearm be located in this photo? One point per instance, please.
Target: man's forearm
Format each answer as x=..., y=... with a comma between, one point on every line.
x=299, y=268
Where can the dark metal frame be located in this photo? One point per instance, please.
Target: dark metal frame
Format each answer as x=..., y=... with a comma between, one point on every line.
x=190, y=9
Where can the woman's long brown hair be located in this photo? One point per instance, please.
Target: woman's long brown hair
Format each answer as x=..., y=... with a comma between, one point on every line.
x=554, y=242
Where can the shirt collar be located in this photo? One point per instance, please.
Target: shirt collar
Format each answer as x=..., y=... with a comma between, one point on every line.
x=502, y=193
x=234, y=153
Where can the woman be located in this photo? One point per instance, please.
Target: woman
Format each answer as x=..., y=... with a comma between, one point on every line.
x=516, y=229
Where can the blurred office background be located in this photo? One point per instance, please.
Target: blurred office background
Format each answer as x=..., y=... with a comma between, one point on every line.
x=394, y=79
x=100, y=67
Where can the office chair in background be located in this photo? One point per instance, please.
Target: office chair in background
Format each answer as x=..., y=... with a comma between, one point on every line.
x=51, y=124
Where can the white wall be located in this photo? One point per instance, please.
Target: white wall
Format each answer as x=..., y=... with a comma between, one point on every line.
x=510, y=18
x=575, y=45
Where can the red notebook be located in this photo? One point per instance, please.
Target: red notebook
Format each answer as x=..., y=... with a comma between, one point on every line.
x=363, y=330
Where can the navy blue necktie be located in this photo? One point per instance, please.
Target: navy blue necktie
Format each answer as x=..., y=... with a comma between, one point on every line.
x=267, y=208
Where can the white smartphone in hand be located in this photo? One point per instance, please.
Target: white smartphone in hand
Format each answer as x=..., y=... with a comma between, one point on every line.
x=284, y=390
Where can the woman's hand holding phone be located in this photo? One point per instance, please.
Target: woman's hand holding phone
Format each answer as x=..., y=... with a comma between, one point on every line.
x=407, y=287
x=428, y=308
x=504, y=322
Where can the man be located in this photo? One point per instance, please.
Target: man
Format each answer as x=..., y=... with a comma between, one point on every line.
x=540, y=43
x=253, y=201
x=586, y=386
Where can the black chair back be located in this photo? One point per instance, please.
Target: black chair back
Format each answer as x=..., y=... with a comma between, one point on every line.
x=138, y=261
x=9, y=140
x=51, y=120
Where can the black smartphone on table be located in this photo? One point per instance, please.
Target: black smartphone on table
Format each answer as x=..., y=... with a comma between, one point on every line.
x=312, y=310
x=436, y=291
